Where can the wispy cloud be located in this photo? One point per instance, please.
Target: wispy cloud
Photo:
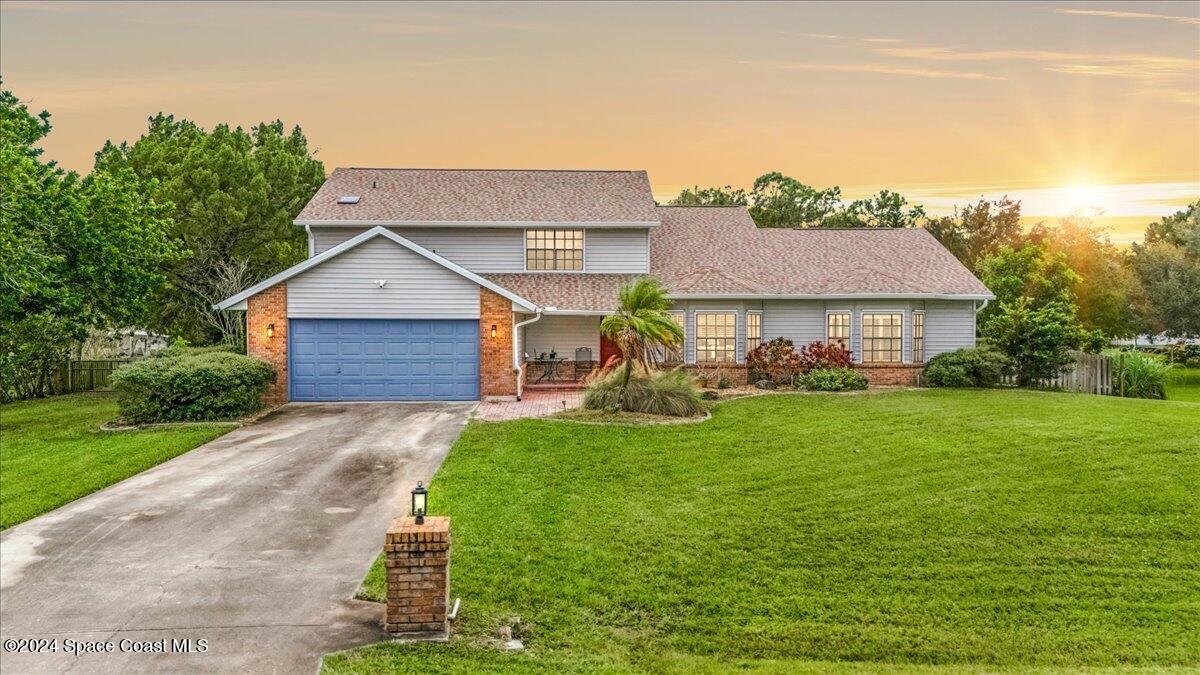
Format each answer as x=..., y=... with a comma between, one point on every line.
x=1113, y=14
x=878, y=69
x=878, y=40
x=1150, y=70
x=818, y=36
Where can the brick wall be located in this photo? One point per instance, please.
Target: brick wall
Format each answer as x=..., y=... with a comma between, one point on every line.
x=417, y=560
x=899, y=374
x=496, y=376
x=736, y=372
x=263, y=309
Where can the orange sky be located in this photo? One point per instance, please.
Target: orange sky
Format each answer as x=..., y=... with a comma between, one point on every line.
x=1064, y=105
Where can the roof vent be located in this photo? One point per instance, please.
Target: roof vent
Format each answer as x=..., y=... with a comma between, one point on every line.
x=348, y=199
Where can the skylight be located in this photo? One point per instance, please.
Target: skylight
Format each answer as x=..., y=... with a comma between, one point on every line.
x=348, y=199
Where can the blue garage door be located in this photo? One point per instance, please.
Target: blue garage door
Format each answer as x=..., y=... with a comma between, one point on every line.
x=383, y=360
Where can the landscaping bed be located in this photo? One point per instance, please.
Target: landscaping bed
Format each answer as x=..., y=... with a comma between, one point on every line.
x=54, y=452
x=978, y=528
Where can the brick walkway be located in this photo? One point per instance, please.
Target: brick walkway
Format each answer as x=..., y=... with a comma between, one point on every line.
x=533, y=404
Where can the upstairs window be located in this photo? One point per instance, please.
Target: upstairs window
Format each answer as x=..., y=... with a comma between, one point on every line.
x=881, y=338
x=554, y=250
x=716, y=337
x=837, y=329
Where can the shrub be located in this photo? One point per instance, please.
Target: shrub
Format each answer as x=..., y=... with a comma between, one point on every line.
x=182, y=348
x=1138, y=374
x=966, y=367
x=191, y=386
x=1036, y=339
x=663, y=393
x=833, y=379
x=775, y=360
x=816, y=355
x=724, y=383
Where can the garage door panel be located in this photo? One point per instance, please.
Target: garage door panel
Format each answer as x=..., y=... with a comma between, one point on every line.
x=366, y=359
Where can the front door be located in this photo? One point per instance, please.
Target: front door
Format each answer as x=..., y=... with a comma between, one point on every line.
x=608, y=349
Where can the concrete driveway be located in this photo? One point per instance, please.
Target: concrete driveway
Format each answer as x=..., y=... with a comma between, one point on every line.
x=254, y=543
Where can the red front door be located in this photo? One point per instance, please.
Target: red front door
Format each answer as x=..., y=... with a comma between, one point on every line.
x=608, y=350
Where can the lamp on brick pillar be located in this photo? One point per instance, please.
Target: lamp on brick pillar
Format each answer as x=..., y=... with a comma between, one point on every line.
x=419, y=495
x=493, y=331
x=271, y=330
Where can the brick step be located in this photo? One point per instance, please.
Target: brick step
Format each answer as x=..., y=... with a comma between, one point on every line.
x=554, y=386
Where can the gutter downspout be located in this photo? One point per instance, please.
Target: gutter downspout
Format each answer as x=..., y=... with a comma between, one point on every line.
x=975, y=326
x=311, y=244
x=518, y=366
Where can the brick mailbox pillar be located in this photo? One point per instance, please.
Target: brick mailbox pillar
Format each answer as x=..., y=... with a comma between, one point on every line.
x=418, y=578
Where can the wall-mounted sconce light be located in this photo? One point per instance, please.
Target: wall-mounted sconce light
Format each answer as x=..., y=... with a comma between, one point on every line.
x=271, y=330
x=493, y=330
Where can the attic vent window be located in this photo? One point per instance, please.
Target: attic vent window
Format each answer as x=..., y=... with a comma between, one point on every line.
x=348, y=199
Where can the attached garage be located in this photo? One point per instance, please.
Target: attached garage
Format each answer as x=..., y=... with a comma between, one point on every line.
x=383, y=360
x=378, y=318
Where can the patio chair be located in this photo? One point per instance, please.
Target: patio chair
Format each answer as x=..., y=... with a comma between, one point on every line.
x=583, y=362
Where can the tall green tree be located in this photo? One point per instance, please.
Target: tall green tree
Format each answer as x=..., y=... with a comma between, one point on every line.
x=979, y=230
x=1107, y=290
x=777, y=200
x=886, y=209
x=235, y=194
x=1168, y=267
x=710, y=196
x=75, y=253
x=641, y=324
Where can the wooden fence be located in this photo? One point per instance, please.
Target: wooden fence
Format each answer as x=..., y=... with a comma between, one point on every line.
x=88, y=375
x=1090, y=374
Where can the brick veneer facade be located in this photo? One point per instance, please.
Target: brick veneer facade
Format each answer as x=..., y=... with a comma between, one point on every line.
x=736, y=372
x=496, y=375
x=263, y=309
x=417, y=561
x=898, y=374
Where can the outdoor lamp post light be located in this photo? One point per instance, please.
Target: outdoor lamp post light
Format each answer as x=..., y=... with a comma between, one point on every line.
x=271, y=330
x=419, y=494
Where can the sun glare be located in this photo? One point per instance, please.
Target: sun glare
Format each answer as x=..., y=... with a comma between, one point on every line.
x=1088, y=199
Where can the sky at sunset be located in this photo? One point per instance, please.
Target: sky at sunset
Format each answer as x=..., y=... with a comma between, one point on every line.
x=1066, y=106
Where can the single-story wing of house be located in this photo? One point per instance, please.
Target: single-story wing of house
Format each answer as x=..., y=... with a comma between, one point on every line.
x=432, y=284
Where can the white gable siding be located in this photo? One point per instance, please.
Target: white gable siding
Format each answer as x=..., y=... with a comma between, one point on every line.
x=417, y=288
x=563, y=334
x=625, y=251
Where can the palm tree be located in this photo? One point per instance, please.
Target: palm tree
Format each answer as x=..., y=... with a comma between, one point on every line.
x=641, y=323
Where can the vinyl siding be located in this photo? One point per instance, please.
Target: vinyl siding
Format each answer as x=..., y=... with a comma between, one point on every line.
x=949, y=325
x=563, y=334
x=625, y=251
x=344, y=287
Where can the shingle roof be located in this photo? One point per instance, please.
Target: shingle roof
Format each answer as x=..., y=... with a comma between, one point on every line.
x=719, y=251
x=563, y=290
x=470, y=195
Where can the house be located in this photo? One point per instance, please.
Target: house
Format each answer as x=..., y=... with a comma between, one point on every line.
x=451, y=284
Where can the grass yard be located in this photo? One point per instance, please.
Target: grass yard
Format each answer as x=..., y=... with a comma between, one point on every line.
x=813, y=533
x=52, y=452
x=1183, y=384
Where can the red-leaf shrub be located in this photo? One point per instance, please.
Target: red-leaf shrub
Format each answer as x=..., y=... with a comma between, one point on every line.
x=820, y=355
x=775, y=360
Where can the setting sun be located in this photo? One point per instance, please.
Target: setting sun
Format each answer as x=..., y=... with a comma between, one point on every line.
x=1085, y=199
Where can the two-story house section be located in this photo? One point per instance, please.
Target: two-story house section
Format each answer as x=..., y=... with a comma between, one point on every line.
x=434, y=284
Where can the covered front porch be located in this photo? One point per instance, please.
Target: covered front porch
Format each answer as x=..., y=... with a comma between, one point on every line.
x=561, y=348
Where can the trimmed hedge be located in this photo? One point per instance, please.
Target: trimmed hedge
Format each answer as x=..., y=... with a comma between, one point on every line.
x=966, y=367
x=833, y=379
x=191, y=385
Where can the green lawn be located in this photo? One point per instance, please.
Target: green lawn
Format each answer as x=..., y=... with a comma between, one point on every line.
x=887, y=530
x=52, y=452
x=1183, y=384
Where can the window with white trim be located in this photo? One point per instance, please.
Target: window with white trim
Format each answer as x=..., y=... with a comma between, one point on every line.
x=918, y=337
x=882, y=338
x=554, y=250
x=753, y=331
x=716, y=337
x=837, y=329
